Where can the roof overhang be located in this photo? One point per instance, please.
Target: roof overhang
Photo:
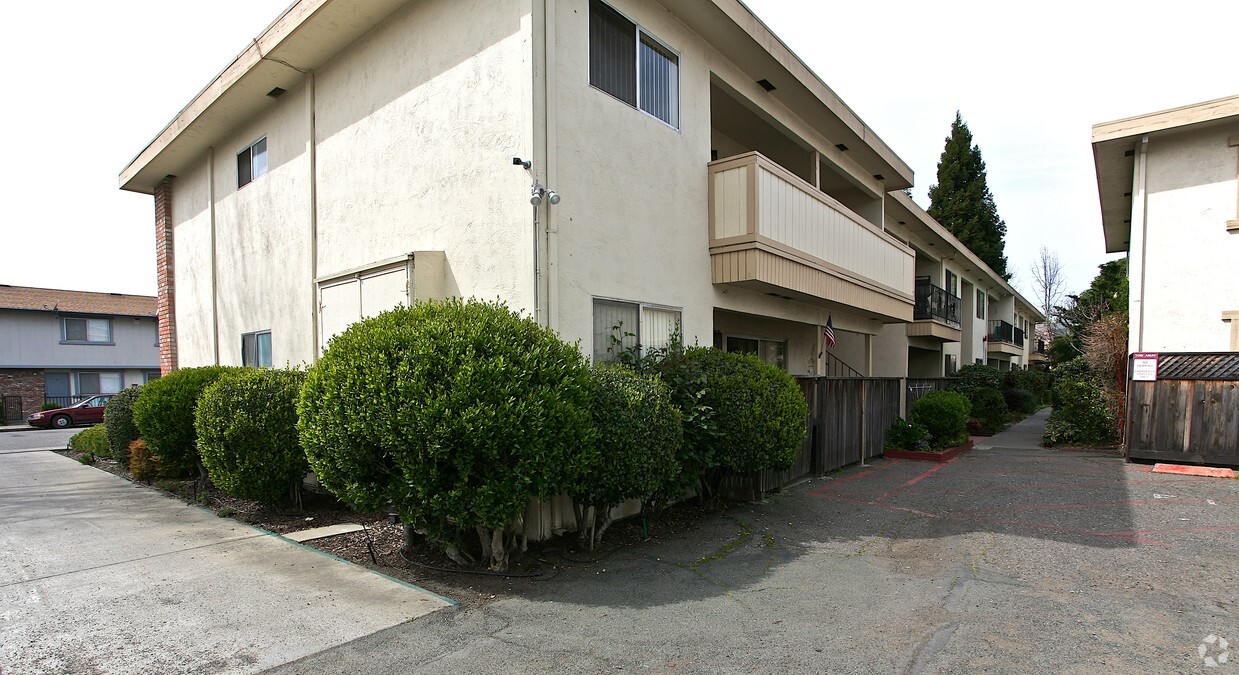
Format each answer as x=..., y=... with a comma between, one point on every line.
x=301, y=40
x=1116, y=146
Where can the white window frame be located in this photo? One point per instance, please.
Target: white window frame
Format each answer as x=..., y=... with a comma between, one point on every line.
x=254, y=172
x=77, y=382
x=640, y=35
x=64, y=331
x=642, y=307
x=257, y=335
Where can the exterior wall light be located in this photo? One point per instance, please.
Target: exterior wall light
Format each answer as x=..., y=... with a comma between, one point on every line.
x=538, y=193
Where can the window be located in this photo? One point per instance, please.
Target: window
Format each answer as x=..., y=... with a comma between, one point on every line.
x=980, y=304
x=98, y=383
x=631, y=327
x=951, y=365
x=252, y=162
x=150, y=375
x=773, y=352
x=952, y=283
x=632, y=65
x=256, y=349
x=87, y=331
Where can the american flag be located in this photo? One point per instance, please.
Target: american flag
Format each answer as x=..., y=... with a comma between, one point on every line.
x=829, y=332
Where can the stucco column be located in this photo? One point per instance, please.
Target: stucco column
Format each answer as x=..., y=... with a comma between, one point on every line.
x=165, y=272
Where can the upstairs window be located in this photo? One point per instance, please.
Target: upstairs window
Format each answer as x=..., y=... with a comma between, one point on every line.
x=632, y=65
x=980, y=304
x=252, y=162
x=256, y=349
x=87, y=331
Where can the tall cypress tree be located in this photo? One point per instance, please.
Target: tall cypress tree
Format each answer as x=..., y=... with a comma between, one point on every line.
x=962, y=202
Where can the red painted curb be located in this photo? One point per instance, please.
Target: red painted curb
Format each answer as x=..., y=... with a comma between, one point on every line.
x=940, y=457
x=1184, y=470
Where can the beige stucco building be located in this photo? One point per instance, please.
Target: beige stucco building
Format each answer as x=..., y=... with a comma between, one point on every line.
x=687, y=167
x=1169, y=185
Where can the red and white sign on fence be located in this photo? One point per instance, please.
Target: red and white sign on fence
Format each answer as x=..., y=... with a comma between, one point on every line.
x=1144, y=367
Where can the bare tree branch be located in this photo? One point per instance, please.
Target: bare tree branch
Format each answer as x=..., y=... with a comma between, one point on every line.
x=1048, y=281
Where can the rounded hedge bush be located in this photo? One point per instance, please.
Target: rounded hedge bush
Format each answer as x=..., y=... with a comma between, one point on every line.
x=448, y=411
x=92, y=441
x=907, y=435
x=989, y=408
x=975, y=376
x=945, y=415
x=118, y=418
x=164, y=415
x=639, y=437
x=247, y=434
x=759, y=412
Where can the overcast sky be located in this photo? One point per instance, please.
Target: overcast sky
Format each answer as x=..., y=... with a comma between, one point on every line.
x=90, y=83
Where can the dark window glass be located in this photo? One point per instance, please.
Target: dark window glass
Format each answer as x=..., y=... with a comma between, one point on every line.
x=245, y=172
x=612, y=53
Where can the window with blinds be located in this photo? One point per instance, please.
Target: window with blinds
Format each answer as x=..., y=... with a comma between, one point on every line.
x=76, y=330
x=631, y=327
x=632, y=65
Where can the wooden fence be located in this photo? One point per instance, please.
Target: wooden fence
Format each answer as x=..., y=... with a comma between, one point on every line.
x=1190, y=414
x=919, y=386
x=849, y=418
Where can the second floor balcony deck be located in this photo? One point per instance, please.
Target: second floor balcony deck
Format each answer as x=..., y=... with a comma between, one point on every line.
x=1005, y=338
x=774, y=232
x=936, y=313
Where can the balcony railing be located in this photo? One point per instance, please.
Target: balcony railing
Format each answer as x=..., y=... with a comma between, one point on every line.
x=933, y=302
x=1001, y=331
x=770, y=229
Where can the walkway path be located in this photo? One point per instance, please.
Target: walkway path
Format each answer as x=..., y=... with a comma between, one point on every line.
x=98, y=574
x=1011, y=558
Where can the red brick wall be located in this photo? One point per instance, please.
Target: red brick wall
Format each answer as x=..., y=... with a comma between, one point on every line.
x=165, y=272
x=27, y=384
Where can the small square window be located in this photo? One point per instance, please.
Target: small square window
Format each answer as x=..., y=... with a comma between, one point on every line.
x=252, y=162
x=633, y=66
x=256, y=349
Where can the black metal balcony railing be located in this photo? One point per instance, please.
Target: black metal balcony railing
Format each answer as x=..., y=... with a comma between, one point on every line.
x=933, y=302
x=1040, y=348
x=1001, y=331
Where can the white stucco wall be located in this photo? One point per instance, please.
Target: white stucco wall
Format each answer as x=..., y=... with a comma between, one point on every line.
x=418, y=123
x=415, y=127
x=1190, y=260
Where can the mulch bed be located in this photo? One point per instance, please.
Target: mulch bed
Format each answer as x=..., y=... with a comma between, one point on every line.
x=378, y=546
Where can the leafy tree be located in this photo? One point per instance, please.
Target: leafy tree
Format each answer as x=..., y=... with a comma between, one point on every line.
x=962, y=202
x=1106, y=295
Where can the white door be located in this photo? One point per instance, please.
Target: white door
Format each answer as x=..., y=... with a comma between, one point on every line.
x=346, y=300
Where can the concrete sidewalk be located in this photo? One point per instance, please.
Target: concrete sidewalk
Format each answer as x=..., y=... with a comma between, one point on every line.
x=98, y=574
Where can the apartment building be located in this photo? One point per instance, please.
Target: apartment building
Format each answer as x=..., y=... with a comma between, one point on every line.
x=595, y=164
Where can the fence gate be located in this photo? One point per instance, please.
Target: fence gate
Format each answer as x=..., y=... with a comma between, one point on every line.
x=12, y=408
x=1190, y=413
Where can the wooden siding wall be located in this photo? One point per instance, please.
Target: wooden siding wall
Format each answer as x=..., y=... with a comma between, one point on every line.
x=849, y=417
x=1193, y=421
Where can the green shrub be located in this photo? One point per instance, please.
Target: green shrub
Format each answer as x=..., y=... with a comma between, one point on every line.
x=1081, y=416
x=164, y=415
x=989, y=408
x=1020, y=400
x=247, y=434
x=48, y=405
x=945, y=415
x=975, y=376
x=758, y=409
x=907, y=435
x=685, y=376
x=92, y=441
x=455, y=413
x=118, y=418
x=1075, y=370
x=639, y=437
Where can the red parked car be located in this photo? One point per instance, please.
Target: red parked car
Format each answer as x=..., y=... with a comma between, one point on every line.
x=89, y=411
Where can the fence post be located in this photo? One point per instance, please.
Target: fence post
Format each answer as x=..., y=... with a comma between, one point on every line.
x=864, y=435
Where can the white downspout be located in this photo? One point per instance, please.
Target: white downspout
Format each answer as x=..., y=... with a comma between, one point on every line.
x=312, y=154
x=1140, y=212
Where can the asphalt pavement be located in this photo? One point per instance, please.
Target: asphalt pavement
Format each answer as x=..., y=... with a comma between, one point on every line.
x=1011, y=558
x=101, y=575
x=19, y=439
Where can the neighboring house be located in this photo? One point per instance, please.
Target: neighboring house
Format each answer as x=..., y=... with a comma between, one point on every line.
x=627, y=163
x=1169, y=185
x=61, y=346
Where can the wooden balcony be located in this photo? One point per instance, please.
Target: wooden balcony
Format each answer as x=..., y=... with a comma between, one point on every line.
x=773, y=232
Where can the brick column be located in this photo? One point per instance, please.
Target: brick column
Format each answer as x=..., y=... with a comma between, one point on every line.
x=166, y=273
x=26, y=383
